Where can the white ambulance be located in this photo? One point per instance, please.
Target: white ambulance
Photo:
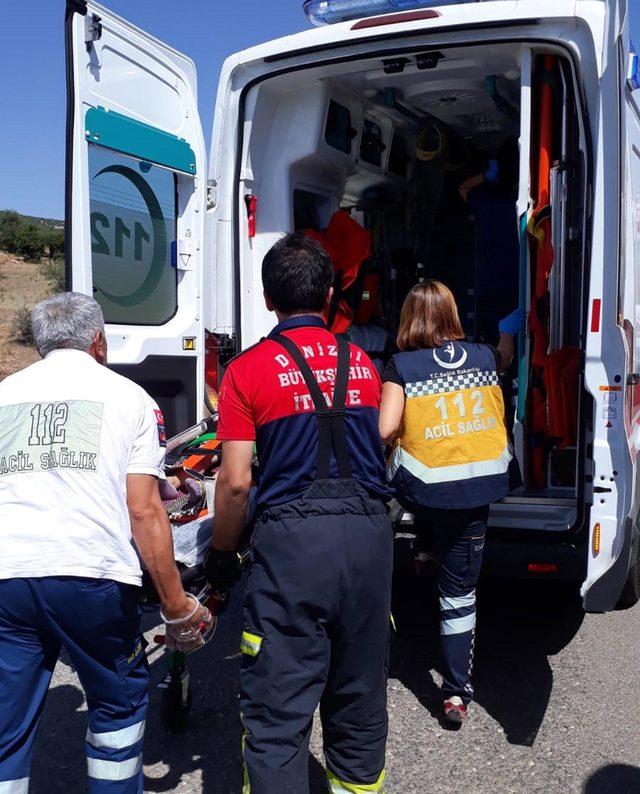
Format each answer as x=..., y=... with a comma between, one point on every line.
x=381, y=110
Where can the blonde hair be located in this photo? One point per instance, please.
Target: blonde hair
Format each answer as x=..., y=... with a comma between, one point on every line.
x=429, y=317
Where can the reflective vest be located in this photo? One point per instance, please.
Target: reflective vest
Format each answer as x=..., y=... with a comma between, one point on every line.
x=453, y=450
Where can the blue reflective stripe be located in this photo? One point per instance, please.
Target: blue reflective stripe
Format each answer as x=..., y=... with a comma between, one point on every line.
x=458, y=625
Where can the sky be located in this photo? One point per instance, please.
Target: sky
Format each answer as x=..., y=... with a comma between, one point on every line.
x=32, y=86
x=32, y=82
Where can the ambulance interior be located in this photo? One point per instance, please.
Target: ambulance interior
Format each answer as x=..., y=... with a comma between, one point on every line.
x=390, y=140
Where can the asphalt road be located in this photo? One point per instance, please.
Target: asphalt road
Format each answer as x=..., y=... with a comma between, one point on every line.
x=556, y=706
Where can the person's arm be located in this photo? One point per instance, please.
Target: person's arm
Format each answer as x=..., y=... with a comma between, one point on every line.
x=236, y=430
x=188, y=622
x=391, y=411
x=232, y=494
x=513, y=324
x=506, y=349
x=467, y=186
x=152, y=535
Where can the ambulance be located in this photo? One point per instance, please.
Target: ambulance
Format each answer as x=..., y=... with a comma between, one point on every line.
x=379, y=110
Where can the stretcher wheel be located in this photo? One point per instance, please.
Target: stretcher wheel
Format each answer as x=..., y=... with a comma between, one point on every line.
x=176, y=701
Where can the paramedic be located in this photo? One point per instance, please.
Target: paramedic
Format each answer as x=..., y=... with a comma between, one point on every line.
x=443, y=407
x=80, y=456
x=317, y=610
x=492, y=199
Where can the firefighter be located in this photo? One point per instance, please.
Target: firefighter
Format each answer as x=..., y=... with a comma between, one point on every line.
x=442, y=407
x=81, y=452
x=317, y=610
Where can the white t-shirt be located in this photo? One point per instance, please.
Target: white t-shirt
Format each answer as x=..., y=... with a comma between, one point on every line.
x=70, y=432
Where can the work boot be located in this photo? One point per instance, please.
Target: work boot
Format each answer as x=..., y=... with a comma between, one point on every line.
x=454, y=711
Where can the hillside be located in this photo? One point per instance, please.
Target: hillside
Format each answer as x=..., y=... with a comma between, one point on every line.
x=51, y=223
x=31, y=237
x=22, y=285
x=31, y=267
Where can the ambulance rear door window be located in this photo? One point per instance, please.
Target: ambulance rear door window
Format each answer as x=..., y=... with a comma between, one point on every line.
x=133, y=232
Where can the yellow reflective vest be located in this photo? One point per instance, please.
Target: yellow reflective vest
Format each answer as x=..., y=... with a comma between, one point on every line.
x=453, y=450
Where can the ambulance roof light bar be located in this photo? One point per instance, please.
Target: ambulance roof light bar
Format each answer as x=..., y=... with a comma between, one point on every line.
x=326, y=12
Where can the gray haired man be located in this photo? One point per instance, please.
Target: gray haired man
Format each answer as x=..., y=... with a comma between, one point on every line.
x=81, y=450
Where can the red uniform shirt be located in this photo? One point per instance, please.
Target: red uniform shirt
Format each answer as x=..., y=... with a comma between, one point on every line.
x=264, y=398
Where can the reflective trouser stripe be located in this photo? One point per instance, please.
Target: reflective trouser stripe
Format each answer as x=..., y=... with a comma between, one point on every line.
x=458, y=602
x=14, y=786
x=117, y=740
x=337, y=786
x=458, y=625
x=114, y=770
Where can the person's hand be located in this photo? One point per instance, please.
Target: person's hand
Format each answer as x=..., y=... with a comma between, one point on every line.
x=191, y=630
x=222, y=569
x=492, y=173
x=513, y=323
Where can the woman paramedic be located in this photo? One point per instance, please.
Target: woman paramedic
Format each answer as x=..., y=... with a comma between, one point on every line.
x=442, y=408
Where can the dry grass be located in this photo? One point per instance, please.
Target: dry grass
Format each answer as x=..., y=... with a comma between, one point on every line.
x=22, y=285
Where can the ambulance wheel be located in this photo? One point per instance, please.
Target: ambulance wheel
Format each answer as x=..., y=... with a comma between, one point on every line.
x=176, y=705
x=631, y=592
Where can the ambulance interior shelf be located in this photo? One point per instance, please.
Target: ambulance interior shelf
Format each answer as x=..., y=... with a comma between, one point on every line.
x=394, y=233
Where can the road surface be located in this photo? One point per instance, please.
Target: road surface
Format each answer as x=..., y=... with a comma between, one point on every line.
x=557, y=706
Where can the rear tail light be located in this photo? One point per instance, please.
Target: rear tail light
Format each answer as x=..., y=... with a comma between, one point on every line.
x=595, y=541
x=211, y=361
x=326, y=12
x=542, y=567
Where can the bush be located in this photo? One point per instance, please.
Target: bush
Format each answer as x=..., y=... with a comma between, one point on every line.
x=22, y=328
x=22, y=236
x=53, y=271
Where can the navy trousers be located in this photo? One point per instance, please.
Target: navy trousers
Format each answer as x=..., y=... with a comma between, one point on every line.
x=459, y=536
x=97, y=621
x=317, y=617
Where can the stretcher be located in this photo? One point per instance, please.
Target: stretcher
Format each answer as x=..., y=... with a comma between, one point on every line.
x=192, y=463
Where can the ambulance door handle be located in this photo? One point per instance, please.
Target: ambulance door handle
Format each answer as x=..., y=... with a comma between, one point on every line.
x=633, y=378
x=181, y=254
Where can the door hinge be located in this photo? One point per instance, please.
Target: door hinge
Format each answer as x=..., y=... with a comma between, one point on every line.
x=212, y=193
x=92, y=29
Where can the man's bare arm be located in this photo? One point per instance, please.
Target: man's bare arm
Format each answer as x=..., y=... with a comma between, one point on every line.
x=152, y=535
x=232, y=494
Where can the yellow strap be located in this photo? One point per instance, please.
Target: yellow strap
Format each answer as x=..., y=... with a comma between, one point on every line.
x=338, y=786
x=250, y=644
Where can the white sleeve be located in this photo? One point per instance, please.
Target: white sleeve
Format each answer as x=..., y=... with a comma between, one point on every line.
x=149, y=440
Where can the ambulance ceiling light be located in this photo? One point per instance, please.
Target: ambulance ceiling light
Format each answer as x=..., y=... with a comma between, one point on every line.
x=326, y=12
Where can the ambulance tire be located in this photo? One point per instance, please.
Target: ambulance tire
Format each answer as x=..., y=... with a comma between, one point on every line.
x=631, y=592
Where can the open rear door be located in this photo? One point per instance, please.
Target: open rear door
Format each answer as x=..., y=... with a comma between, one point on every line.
x=612, y=531
x=135, y=202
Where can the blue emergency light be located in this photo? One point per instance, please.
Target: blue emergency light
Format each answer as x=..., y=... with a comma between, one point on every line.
x=326, y=12
x=633, y=75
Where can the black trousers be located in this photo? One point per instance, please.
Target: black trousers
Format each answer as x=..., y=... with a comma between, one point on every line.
x=459, y=544
x=317, y=616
